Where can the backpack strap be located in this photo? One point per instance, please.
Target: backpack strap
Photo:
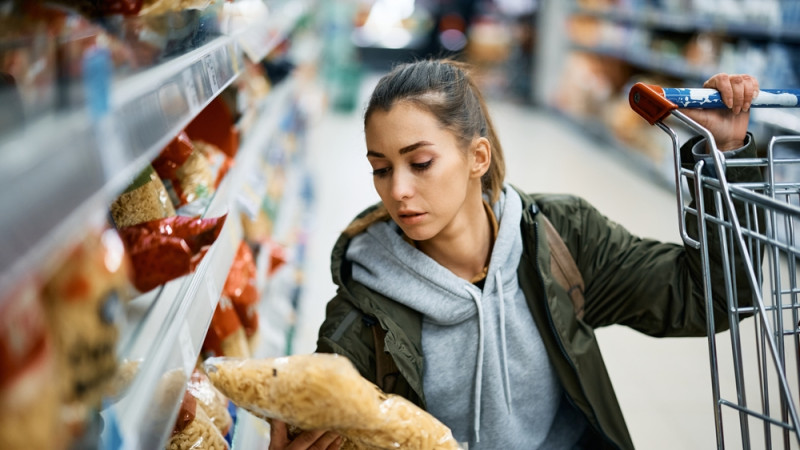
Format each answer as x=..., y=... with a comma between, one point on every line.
x=565, y=271
x=385, y=368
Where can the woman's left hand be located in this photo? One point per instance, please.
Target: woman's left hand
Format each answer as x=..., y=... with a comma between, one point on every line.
x=729, y=126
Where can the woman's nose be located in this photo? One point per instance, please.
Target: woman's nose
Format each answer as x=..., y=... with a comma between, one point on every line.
x=402, y=185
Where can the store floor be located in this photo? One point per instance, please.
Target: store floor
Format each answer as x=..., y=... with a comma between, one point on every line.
x=663, y=384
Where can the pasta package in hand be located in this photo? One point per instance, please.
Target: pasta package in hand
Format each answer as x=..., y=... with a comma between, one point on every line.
x=193, y=429
x=211, y=400
x=165, y=249
x=326, y=392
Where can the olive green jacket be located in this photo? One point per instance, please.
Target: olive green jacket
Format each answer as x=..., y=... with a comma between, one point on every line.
x=653, y=287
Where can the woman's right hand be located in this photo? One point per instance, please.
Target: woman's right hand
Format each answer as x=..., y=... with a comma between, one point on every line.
x=313, y=440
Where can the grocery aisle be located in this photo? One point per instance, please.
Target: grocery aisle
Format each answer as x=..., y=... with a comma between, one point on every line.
x=663, y=385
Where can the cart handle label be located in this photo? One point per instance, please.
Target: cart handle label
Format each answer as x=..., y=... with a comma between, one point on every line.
x=650, y=102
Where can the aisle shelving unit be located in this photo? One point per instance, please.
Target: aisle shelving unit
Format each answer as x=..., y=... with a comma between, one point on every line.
x=635, y=34
x=75, y=162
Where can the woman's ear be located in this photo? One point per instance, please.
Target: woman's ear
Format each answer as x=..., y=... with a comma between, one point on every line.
x=482, y=157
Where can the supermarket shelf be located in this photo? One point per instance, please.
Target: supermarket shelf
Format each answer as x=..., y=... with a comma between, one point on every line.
x=170, y=323
x=694, y=23
x=665, y=64
x=258, y=41
x=64, y=168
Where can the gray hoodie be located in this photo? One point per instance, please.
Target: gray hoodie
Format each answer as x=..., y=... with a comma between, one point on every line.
x=486, y=374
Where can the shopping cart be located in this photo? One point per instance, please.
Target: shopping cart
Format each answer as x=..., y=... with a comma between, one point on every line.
x=747, y=230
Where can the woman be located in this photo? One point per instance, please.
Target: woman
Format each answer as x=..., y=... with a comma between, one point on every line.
x=453, y=268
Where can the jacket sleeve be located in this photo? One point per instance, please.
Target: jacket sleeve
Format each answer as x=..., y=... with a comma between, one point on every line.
x=654, y=287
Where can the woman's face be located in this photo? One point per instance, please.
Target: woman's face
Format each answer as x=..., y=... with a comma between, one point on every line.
x=422, y=175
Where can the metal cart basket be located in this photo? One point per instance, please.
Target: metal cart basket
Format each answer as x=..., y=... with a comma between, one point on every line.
x=743, y=230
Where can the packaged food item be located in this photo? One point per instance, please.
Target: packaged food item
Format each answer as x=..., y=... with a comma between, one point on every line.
x=144, y=200
x=325, y=391
x=225, y=336
x=126, y=372
x=218, y=162
x=193, y=429
x=211, y=400
x=240, y=288
x=29, y=398
x=165, y=249
x=82, y=302
x=214, y=125
x=186, y=172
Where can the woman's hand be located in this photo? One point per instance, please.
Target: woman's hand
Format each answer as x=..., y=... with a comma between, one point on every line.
x=729, y=126
x=313, y=440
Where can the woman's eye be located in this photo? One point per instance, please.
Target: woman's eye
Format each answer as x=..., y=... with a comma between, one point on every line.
x=422, y=166
x=380, y=173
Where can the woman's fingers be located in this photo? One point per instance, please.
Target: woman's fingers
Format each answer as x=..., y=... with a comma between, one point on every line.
x=736, y=91
x=750, y=91
x=316, y=440
x=722, y=83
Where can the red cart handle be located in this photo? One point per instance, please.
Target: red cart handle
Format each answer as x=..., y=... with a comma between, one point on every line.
x=650, y=102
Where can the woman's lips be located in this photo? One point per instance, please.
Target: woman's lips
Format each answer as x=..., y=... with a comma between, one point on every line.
x=411, y=218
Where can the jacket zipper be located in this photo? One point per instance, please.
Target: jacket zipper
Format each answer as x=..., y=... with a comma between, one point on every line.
x=558, y=338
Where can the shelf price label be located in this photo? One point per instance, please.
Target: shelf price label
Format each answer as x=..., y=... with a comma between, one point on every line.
x=191, y=91
x=211, y=71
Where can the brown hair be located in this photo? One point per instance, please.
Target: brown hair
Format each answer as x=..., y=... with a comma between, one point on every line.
x=446, y=89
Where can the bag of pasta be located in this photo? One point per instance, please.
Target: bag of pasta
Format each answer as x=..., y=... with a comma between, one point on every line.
x=194, y=430
x=326, y=392
x=144, y=200
x=211, y=400
x=186, y=173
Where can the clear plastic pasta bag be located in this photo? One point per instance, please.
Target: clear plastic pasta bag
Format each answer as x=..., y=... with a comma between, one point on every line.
x=326, y=392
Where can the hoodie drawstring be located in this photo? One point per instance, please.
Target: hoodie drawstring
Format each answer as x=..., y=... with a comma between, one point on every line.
x=479, y=359
x=503, y=356
x=478, y=367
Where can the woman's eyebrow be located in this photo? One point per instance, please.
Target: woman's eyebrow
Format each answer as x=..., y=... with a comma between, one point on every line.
x=403, y=151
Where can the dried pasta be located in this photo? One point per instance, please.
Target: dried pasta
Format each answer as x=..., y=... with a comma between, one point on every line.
x=325, y=391
x=200, y=433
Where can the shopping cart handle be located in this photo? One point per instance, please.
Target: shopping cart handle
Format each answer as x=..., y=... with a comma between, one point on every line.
x=654, y=103
x=649, y=101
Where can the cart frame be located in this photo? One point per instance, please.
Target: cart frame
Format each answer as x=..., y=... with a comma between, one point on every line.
x=762, y=231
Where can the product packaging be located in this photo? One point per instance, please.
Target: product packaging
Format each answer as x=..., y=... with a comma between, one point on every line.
x=144, y=200
x=225, y=336
x=29, y=396
x=162, y=250
x=193, y=429
x=82, y=302
x=211, y=400
x=186, y=172
x=326, y=392
x=240, y=288
x=214, y=125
